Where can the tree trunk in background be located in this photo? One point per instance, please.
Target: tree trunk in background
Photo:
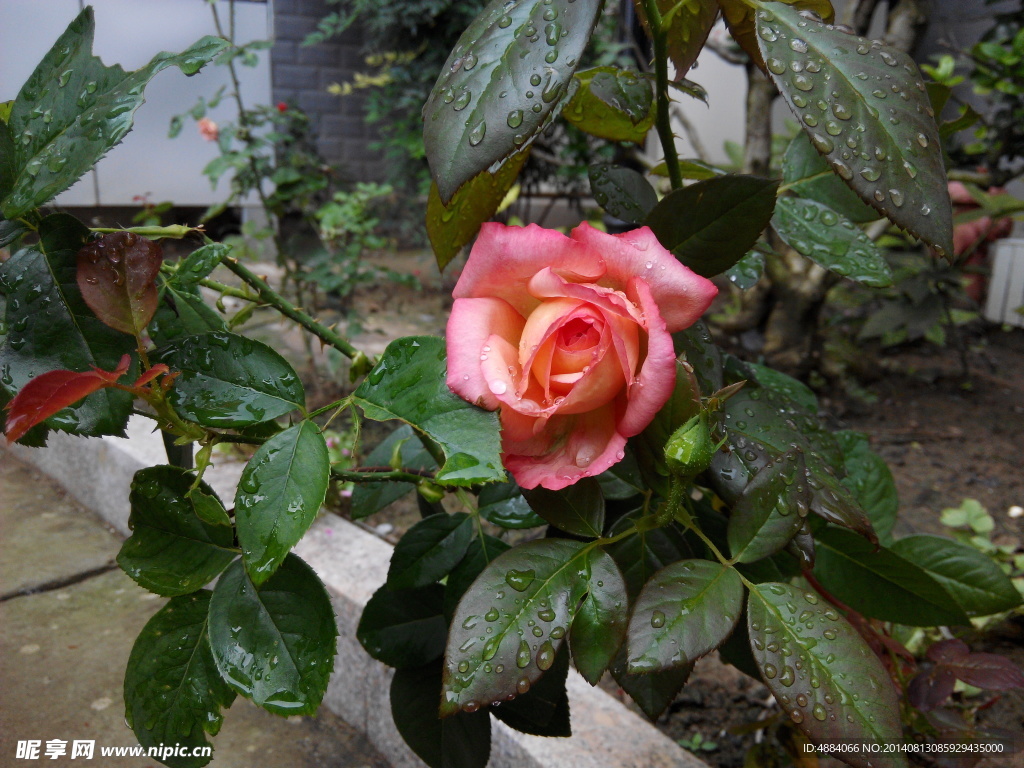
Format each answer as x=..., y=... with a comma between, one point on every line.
x=757, y=151
x=798, y=286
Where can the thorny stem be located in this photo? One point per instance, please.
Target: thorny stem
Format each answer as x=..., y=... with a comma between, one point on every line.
x=663, y=121
x=377, y=474
x=269, y=296
x=224, y=290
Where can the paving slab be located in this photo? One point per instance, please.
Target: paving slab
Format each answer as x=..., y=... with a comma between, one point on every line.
x=63, y=651
x=46, y=537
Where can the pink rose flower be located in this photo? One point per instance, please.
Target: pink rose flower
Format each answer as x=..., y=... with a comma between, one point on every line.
x=208, y=129
x=570, y=338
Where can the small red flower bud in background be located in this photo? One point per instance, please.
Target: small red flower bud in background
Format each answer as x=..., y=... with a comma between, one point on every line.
x=282, y=107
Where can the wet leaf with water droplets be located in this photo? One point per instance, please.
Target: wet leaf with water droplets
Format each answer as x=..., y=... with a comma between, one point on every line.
x=809, y=175
x=687, y=25
x=874, y=122
x=831, y=241
x=870, y=481
x=577, y=509
x=761, y=423
x=171, y=551
x=65, y=137
x=682, y=405
x=117, y=277
x=699, y=603
x=739, y=16
x=405, y=627
x=622, y=192
x=409, y=384
x=711, y=225
x=429, y=550
x=173, y=693
x=544, y=709
x=230, y=381
x=882, y=584
x=279, y=495
x=746, y=272
x=481, y=666
x=276, y=644
x=599, y=628
x=199, y=264
x=368, y=498
x=822, y=673
x=511, y=58
x=451, y=227
x=50, y=327
x=612, y=104
x=771, y=509
x=461, y=741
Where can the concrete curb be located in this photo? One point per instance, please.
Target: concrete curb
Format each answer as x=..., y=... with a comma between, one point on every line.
x=353, y=564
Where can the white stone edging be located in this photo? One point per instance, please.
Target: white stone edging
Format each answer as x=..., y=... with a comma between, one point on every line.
x=353, y=564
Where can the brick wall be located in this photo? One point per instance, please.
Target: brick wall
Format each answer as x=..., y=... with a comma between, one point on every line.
x=300, y=76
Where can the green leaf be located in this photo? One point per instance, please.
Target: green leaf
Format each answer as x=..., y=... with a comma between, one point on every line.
x=73, y=109
x=533, y=589
x=500, y=85
x=171, y=551
x=368, y=498
x=612, y=104
x=711, y=225
x=462, y=741
x=895, y=163
x=577, y=509
x=745, y=273
x=409, y=384
x=809, y=175
x=652, y=693
x=429, y=550
x=230, y=381
x=642, y=555
x=276, y=644
x=599, y=628
x=504, y=505
x=699, y=350
x=761, y=424
x=881, y=583
x=870, y=481
x=777, y=381
x=686, y=25
x=10, y=231
x=482, y=550
x=739, y=16
x=181, y=313
x=771, y=509
x=823, y=674
x=622, y=192
x=451, y=227
x=685, y=611
x=49, y=327
x=404, y=628
x=693, y=170
x=972, y=578
x=208, y=507
x=831, y=241
x=544, y=709
x=199, y=264
x=173, y=693
x=279, y=495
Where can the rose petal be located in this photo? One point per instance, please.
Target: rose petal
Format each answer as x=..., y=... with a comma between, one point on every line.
x=570, y=447
x=547, y=284
x=657, y=376
x=472, y=321
x=681, y=294
x=504, y=259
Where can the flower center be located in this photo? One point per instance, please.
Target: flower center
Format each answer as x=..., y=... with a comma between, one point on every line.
x=578, y=334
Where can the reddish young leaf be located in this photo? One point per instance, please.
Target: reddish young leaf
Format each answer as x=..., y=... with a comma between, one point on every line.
x=48, y=393
x=929, y=690
x=151, y=374
x=988, y=671
x=117, y=278
x=948, y=651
